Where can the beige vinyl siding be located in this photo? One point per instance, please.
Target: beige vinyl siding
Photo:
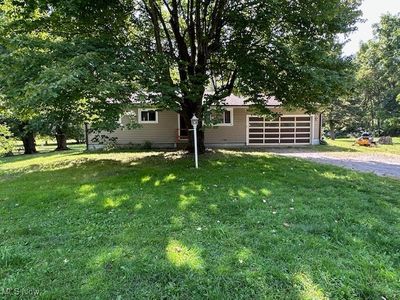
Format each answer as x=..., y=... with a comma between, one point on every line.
x=162, y=133
x=235, y=134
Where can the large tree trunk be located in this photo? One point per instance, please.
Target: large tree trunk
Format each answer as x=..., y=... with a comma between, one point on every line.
x=189, y=109
x=332, y=133
x=61, y=140
x=29, y=143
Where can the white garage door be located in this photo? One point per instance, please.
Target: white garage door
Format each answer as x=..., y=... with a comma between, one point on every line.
x=285, y=130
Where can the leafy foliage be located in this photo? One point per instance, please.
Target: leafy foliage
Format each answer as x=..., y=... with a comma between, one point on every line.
x=378, y=76
x=286, y=49
x=62, y=65
x=6, y=140
x=69, y=58
x=373, y=103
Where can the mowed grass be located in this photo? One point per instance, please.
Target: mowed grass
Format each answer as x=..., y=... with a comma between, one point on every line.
x=346, y=145
x=147, y=225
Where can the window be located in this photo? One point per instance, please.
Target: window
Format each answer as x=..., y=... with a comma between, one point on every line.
x=147, y=116
x=226, y=118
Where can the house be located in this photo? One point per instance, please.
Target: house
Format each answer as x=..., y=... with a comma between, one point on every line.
x=239, y=127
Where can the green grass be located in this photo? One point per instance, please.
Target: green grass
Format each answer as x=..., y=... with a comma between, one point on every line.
x=346, y=145
x=43, y=148
x=147, y=225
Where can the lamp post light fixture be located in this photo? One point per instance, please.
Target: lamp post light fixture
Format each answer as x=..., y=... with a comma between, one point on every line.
x=195, y=121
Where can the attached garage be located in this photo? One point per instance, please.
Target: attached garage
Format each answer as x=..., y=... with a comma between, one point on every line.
x=284, y=130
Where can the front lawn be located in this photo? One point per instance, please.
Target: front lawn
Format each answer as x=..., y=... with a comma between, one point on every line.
x=147, y=225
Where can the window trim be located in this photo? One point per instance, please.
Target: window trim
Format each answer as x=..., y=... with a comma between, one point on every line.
x=230, y=109
x=140, y=121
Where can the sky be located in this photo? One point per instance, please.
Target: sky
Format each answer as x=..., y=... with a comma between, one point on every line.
x=372, y=11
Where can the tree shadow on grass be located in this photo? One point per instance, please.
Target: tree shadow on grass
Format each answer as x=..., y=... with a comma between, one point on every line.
x=242, y=226
x=27, y=157
x=299, y=149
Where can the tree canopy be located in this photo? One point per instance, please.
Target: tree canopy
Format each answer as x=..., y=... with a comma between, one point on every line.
x=373, y=103
x=58, y=71
x=77, y=59
x=378, y=75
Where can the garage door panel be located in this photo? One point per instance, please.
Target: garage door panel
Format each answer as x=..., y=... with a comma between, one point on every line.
x=286, y=141
x=303, y=124
x=271, y=125
x=259, y=119
x=302, y=119
x=303, y=129
x=272, y=136
x=302, y=141
x=285, y=130
x=274, y=141
x=271, y=130
x=285, y=124
x=286, y=119
x=256, y=136
x=256, y=141
x=256, y=130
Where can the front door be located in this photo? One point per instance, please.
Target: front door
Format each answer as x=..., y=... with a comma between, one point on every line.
x=183, y=129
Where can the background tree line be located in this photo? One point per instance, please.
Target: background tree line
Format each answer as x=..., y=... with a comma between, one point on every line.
x=372, y=102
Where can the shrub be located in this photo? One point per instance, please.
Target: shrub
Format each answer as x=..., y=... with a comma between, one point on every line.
x=6, y=141
x=147, y=145
x=110, y=143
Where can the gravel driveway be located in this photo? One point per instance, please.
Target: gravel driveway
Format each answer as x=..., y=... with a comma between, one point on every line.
x=378, y=163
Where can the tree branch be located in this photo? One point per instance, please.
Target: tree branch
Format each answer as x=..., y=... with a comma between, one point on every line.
x=154, y=20
x=167, y=35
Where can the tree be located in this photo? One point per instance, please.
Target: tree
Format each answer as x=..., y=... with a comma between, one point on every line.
x=20, y=123
x=63, y=70
x=378, y=76
x=23, y=130
x=373, y=85
x=77, y=133
x=6, y=140
x=337, y=115
x=178, y=49
x=265, y=48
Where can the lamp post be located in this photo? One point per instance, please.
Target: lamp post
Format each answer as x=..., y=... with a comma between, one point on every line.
x=195, y=122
